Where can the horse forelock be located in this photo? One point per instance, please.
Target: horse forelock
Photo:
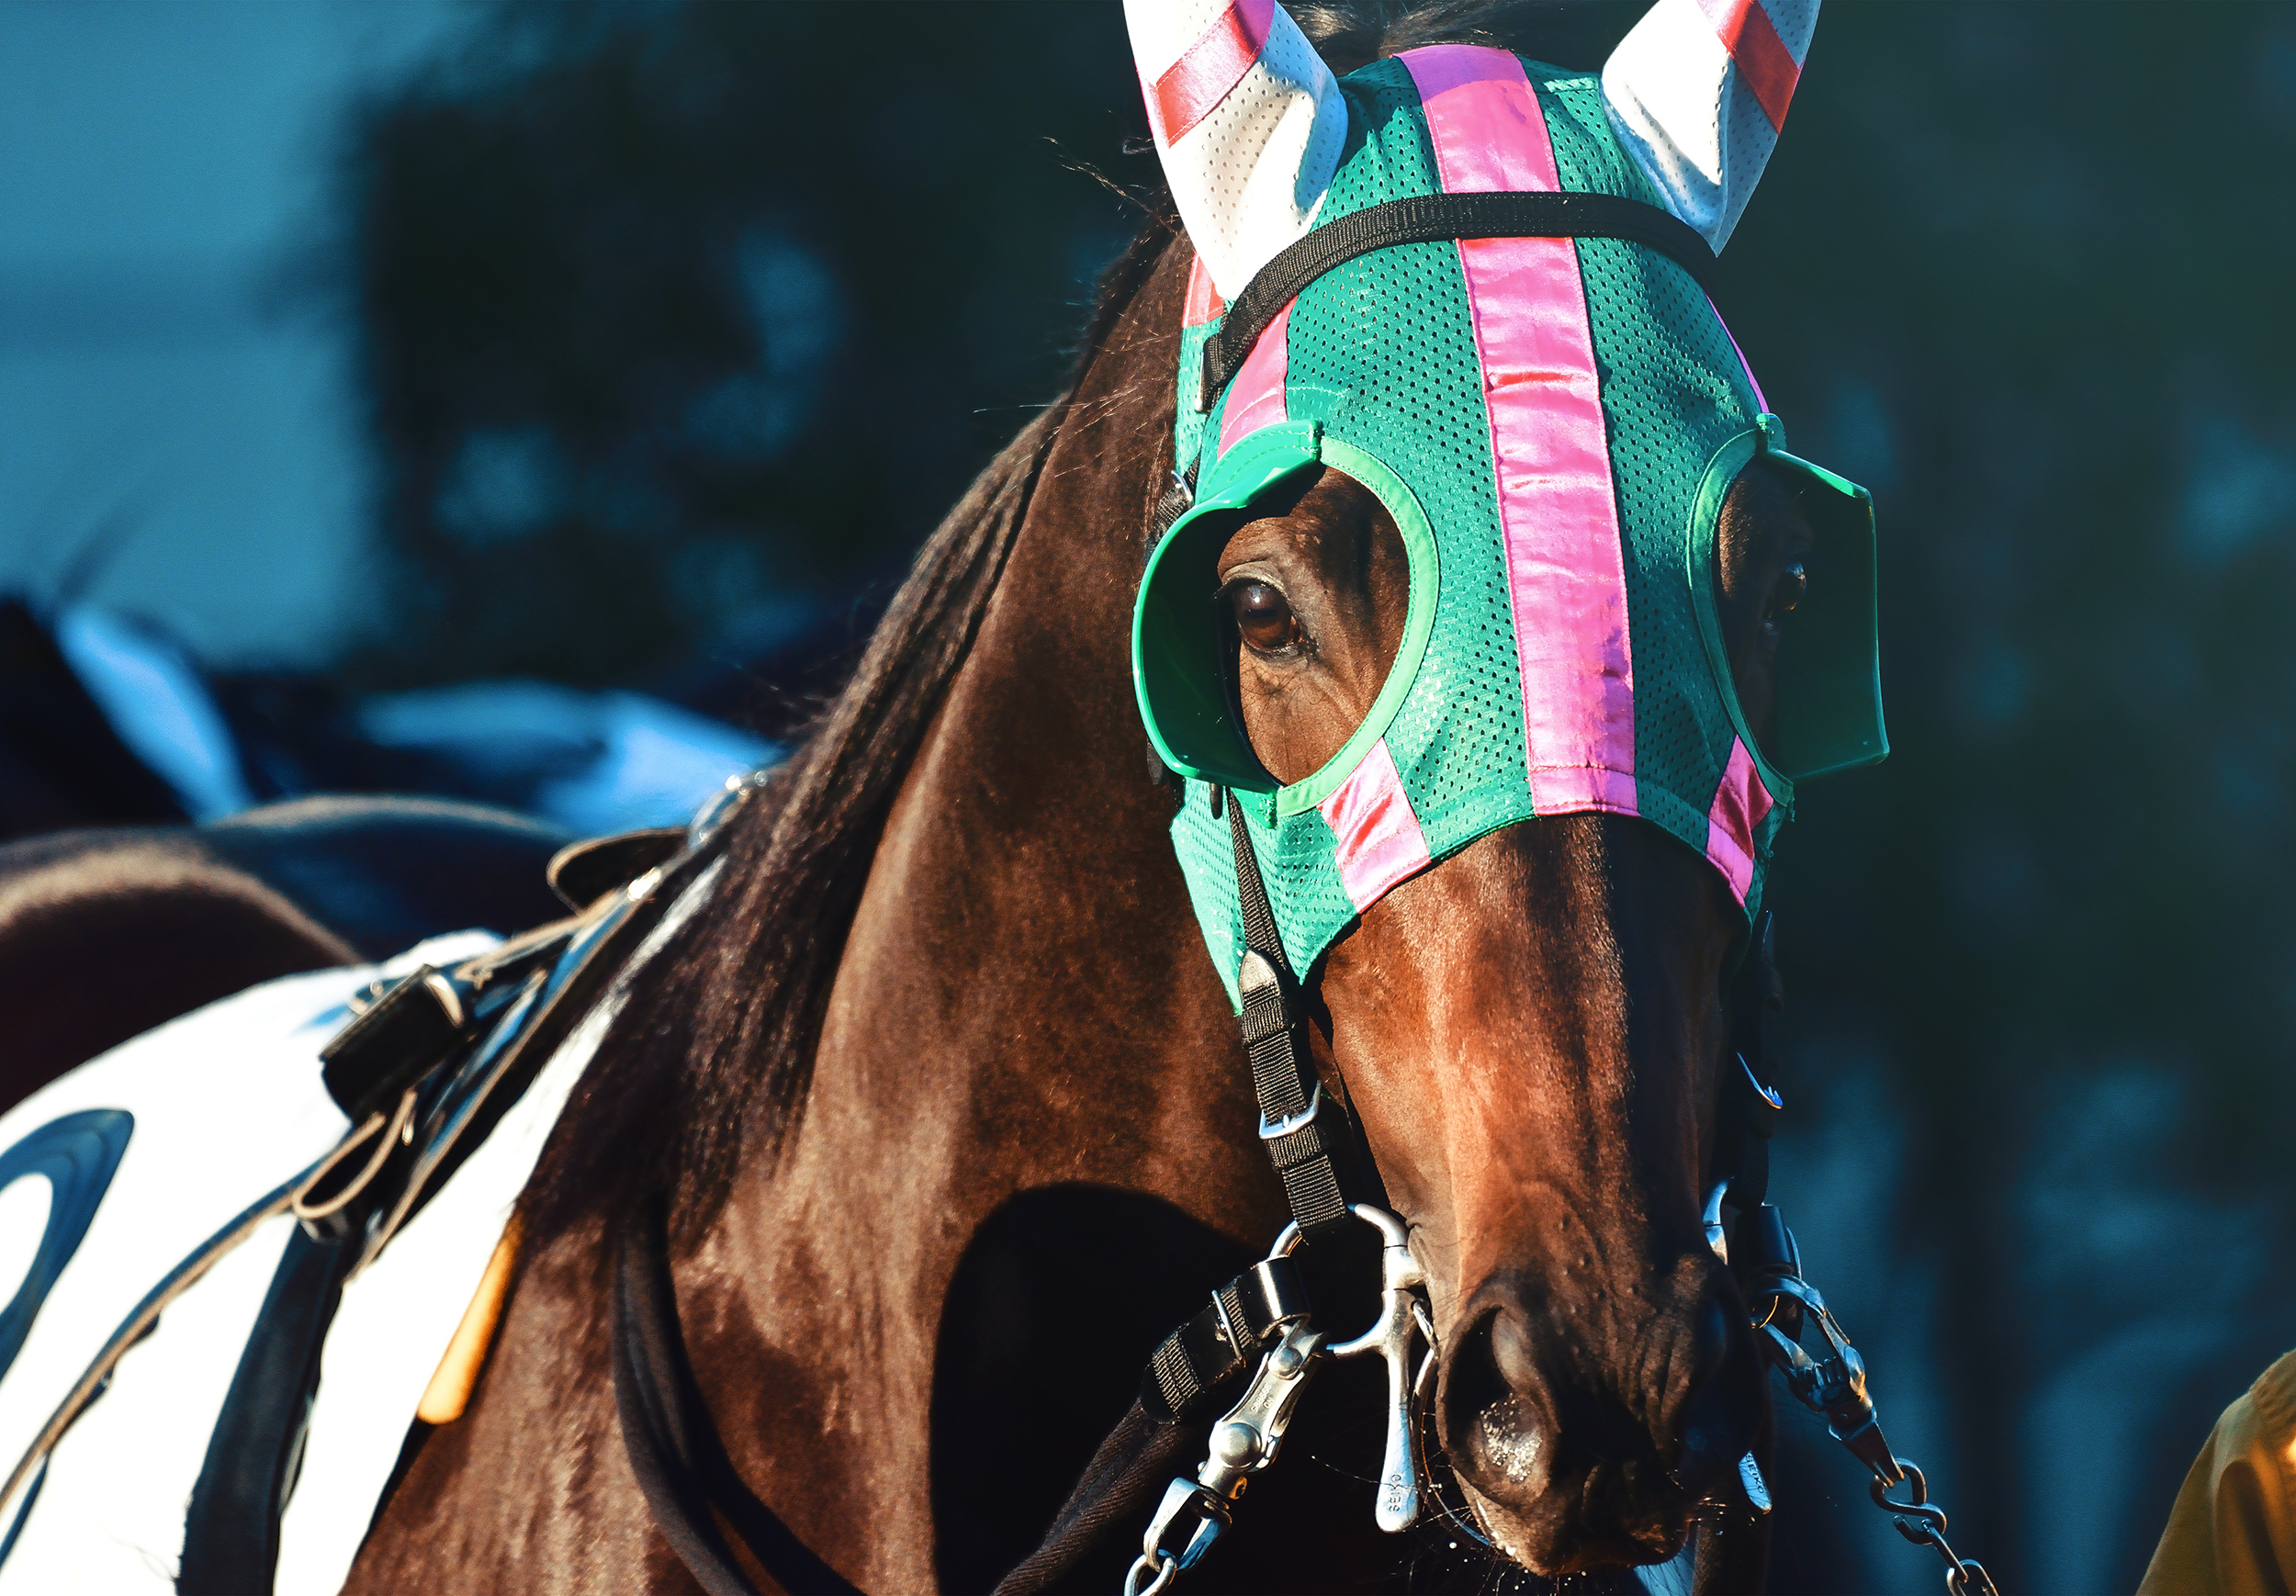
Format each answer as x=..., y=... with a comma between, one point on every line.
x=1567, y=33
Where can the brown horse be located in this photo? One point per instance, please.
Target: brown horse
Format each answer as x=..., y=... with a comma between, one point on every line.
x=941, y=1075
x=948, y=1114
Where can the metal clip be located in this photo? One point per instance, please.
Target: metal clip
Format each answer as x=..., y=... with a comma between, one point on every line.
x=1783, y=1307
x=1833, y=1385
x=1194, y=1513
x=1188, y=1507
x=1247, y=1439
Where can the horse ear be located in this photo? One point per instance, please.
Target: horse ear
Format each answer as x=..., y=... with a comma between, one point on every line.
x=1248, y=122
x=1697, y=93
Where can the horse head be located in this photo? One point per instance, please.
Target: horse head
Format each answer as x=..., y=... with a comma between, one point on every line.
x=1522, y=622
x=1530, y=1038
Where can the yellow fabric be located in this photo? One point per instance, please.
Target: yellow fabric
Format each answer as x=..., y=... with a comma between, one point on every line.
x=2232, y=1533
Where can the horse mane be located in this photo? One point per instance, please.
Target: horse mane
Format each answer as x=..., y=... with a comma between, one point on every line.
x=711, y=1058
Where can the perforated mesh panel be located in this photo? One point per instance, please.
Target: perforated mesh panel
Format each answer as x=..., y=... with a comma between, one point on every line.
x=1386, y=155
x=1229, y=190
x=1673, y=394
x=1382, y=351
x=1296, y=859
x=1208, y=861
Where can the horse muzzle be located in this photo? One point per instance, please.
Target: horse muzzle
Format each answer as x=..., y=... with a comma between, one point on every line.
x=1585, y=1433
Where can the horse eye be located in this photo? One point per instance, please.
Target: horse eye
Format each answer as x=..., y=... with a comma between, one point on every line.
x=1792, y=584
x=1264, y=616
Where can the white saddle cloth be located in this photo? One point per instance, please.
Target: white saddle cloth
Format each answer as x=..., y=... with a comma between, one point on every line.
x=229, y=1104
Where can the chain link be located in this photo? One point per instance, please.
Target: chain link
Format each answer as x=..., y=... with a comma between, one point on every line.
x=1832, y=1384
x=1922, y=1522
x=1159, y=1573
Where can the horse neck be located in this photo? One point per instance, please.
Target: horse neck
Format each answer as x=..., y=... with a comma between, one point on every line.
x=1023, y=1000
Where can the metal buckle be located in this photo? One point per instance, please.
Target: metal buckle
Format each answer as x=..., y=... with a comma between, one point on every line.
x=1160, y=1561
x=1271, y=1132
x=1716, y=1237
x=1184, y=1497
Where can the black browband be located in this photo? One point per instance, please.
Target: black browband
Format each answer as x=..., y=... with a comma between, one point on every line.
x=1427, y=218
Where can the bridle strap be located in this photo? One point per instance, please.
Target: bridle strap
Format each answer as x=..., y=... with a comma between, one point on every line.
x=1748, y=1107
x=673, y=1445
x=1303, y=1130
x=1430, y=218
x=690, y=1484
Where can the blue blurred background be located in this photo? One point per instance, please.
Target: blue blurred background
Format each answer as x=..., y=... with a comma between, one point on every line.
x=538, y=402
x=167, y=170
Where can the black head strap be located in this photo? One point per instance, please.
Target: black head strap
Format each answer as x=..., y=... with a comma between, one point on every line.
x=1301, y=1127
x=1747, y=1113
x=1426, y=219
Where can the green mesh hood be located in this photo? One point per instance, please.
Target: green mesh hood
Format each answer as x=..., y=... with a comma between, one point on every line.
x=1552, y=423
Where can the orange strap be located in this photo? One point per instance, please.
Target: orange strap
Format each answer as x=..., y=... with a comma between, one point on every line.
x=449, y=1390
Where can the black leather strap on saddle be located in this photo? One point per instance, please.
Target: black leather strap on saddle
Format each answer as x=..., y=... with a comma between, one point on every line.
x=232, y=1528
x=1427, y=218
x=467, y=1042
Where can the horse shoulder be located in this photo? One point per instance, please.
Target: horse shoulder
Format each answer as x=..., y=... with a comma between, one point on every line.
x=544, y=1414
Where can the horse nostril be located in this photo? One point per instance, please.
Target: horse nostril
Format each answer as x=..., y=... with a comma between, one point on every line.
x=1512, y=1350
x=1509, y=1442
x=1494, y=1392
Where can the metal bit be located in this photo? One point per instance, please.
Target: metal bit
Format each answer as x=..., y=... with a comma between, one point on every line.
x=1393, y=1336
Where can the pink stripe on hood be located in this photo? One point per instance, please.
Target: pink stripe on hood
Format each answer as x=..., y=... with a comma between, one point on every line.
x=1255, y=399
x=1740, y=804
x=1558, y=510
x=1380, y=844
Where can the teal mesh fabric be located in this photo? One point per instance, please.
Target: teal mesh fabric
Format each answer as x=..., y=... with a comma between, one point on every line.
x=1382, y=355
x=1673, y=392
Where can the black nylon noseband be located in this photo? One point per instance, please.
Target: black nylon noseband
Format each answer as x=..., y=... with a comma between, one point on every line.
x=1430, y=218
